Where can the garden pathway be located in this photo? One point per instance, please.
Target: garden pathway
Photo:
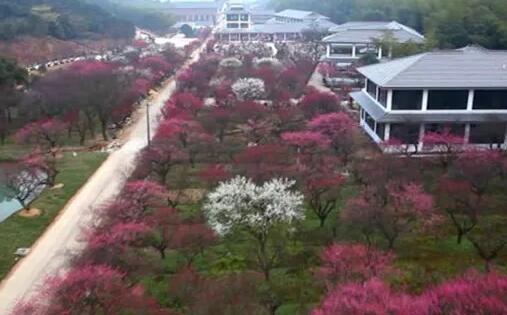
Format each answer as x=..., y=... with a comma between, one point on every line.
x=51, y=253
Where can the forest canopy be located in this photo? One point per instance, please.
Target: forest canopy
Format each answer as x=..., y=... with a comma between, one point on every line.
x=62, y=19
x=446, y=23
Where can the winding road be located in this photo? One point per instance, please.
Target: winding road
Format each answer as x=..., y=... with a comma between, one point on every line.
x=50, y=255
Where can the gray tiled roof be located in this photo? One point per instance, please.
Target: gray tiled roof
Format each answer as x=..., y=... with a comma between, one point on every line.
x=469, y=67
x=268, y=28
x=380, y=115
x=370, y=36
x=297, y=14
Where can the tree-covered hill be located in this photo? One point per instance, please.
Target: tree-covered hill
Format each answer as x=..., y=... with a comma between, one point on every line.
x=447, y=23
x=62, y=19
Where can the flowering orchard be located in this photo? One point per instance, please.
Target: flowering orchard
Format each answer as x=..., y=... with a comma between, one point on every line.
x=273, y=203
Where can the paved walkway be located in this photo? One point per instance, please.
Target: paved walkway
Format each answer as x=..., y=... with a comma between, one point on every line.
x=50, y=254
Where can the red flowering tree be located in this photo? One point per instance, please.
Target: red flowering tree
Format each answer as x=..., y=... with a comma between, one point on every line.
x=322, y=191
x=472, y=293
x=372, y=297
x=213, y=174
x=340, y=129
x=157, y=65
x=353, y=262
x=191, y=239
x=306, y=144
x=158, y=160
x=91, y=290
x=164, y=223
x=316, y=102
x=185, y=102
x=145, y=194
x=390, y=211
x=263, y=162
x=446, y=143
x=45, y=132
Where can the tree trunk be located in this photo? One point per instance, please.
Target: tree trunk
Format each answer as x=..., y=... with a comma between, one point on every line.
x=103, y=129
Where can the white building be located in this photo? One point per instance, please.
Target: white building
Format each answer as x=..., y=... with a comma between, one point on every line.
x=352, y=40
x=464, y=90
x=238, y=22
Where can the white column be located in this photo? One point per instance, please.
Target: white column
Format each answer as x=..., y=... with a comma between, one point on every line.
x=387, y=132
x=467, y=134
x=422, y=130
x=380, y=52
x=328, y=50
x=470, y=102
x=284, y=37
x=505, y=139
x=424, y=106
x=354, y=51
x=389, y=105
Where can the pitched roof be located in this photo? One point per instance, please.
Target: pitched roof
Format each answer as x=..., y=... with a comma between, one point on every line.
x=469, y=67
x=299, y=14
x=370, y=36
x=366, y=32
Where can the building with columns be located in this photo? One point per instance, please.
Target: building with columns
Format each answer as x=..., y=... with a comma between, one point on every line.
x=352, y=40
x=464, y=90
x=239, y=22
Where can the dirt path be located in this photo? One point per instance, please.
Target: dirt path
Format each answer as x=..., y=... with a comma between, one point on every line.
x=51, y=252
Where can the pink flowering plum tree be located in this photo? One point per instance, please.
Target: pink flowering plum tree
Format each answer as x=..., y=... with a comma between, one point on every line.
x=341, y=263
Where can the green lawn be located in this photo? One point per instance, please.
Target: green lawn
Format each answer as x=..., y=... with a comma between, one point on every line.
x=18, y=232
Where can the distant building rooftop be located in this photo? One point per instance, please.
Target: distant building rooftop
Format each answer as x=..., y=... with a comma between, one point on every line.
x=469, y=67
x=366, y=32
x=299, y=14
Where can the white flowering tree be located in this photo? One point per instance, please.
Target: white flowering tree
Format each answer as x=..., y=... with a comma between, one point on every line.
x=247, y=89
x=273, y=63
x=241, y=205
x=231, y=63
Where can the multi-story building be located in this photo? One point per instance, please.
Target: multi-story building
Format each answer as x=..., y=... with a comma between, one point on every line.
x=238, y=22
x=463, y=90
x=198, y=14
x=352, y=40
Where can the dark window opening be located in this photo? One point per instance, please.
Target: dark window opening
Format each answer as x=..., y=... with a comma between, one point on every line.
x=232, y=25
x=232, y=17
x=447, y=99
x=371, y=88
x=490, y=99
x=381, y=129
x=454, y=129
x=487, y=133
x=406, y=133
x=369, y=121
x=382, y=97
x=244, y=17
x=341, y=50
x=407, y=100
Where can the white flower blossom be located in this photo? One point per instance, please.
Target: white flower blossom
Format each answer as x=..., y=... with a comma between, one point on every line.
x=249, y=89
x=241, y=203
x=269, y=62
x=231, y=63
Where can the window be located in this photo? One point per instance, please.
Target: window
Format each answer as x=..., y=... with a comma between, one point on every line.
x=244, y=25
x=382, y=97
x=369, y=121
x=371, y=88
x=341, y=50
x=407, y=100
x=490, y=99
x=455, y=129
x=232, y=17
x=447, y=99
x=487, y=133
x=244, y=17
x=232, y=25
x=381, y=129
x=406, y=133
